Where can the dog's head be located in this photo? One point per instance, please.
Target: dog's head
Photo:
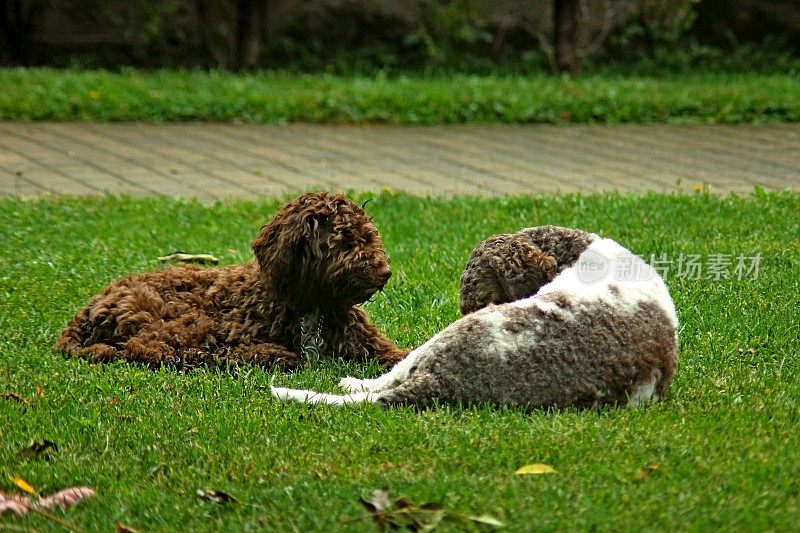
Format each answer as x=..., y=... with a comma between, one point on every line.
x=322, y=250
x=502, y=269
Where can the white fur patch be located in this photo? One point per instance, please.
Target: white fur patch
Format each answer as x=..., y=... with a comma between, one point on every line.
x=351, y=384
x=605, y=263
x=393, y=377
x=310, y=396
x=501, y=341
x=643, y=393
x=524, y=303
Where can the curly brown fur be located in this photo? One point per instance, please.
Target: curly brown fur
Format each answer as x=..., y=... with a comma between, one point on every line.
x=509, y=267
x=315, y=261
x=564, y=244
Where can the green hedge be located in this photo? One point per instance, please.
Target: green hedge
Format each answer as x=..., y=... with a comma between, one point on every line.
x=46, y=94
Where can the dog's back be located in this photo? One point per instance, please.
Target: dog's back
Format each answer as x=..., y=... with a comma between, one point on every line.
x=186, y=299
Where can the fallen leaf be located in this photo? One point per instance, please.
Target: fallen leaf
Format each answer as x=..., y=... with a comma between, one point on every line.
x=644, y=473
x=113, y=401
x=403, y=513
x=24, y=485
x=12, y=503
x=403, y=503
x=215, y=496
x=39, y=391
x=122, y=528
x=486, y=519
x=23, y=504
x=189, y=258
x=14, y=397
x=378, y=500
x=67, y=497
x=427, y=516
x=535, y=468
x=39, y=449
x=159, y=469
x=432, y=507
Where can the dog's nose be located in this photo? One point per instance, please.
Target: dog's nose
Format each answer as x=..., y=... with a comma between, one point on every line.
x=384, y=273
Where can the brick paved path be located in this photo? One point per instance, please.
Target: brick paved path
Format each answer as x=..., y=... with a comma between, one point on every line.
x=216, y=161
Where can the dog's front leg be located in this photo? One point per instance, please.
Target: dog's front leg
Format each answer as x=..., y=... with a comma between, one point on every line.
x=364, y=337
x=266, y=355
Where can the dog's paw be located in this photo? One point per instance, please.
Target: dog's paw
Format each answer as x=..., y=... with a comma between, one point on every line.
x=351, y=384
x=281, y=393
x=292, y=395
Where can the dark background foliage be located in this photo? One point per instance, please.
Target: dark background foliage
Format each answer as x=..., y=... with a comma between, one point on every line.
x=361, y=36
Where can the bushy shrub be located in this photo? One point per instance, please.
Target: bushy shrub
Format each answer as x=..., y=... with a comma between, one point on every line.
x=365, y=36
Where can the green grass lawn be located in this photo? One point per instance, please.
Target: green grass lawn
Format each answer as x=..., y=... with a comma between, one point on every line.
x=720, y=452
x=47, y=94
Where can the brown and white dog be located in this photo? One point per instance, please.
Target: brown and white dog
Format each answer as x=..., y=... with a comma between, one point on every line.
x=602, y=332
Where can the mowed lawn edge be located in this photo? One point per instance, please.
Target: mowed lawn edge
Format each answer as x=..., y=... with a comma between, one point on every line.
x=279, y=97
x=718, y=452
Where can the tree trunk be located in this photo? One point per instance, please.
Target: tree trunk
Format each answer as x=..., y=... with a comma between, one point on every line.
x=210, y=17
x=250, y=17
x=5, y=31
x=565, y=35
x=15, y=31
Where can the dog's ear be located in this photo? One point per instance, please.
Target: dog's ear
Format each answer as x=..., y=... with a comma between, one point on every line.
x=285, y=246
x=522, y=269
x=315, y=229
x=275, y=249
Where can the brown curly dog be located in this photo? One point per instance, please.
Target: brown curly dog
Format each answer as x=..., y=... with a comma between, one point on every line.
x=508, y=267
x=315, y=261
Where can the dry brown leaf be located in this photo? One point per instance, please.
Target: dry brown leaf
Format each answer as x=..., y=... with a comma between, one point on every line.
x=644, y=473
x=535, y=468
x=378, y=500
x=122, y=528
x=402, y=513
x=488, y=520
x=189, y=258
x=14, y=397
x=39, y=449
x=215, y=496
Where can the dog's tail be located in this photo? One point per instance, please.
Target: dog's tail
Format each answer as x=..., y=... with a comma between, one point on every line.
x=310, y=396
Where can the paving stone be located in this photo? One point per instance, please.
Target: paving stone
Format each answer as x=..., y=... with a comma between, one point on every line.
x=228, y=161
